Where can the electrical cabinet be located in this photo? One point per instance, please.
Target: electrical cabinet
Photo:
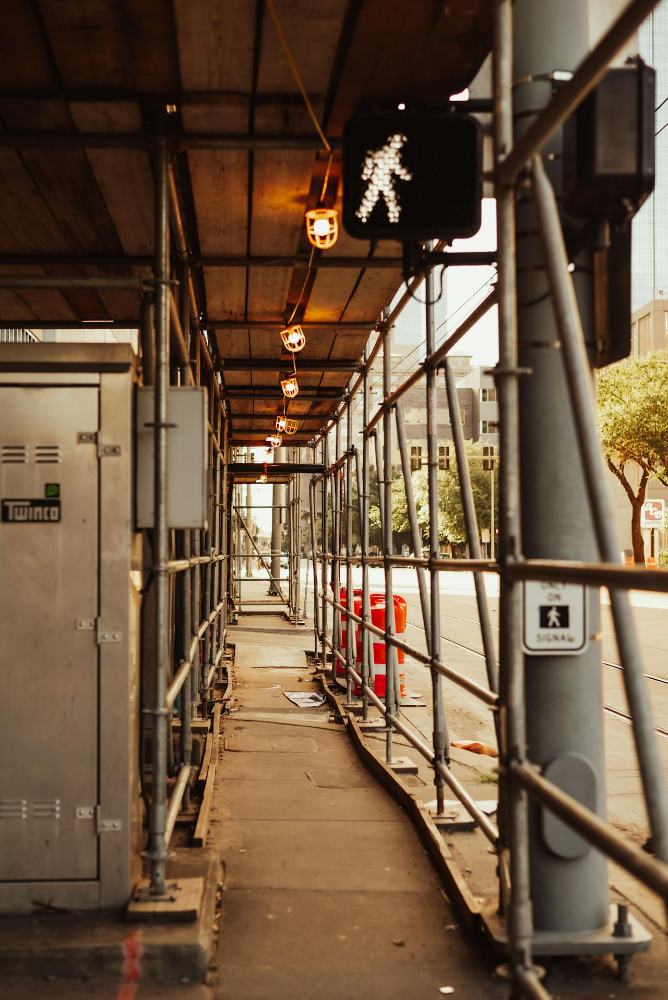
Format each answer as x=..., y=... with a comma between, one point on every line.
x=70, y=821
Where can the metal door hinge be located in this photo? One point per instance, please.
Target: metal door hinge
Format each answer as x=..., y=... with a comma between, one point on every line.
x=108, y=450
x=85, y=812
x=106, y=634
x=87, y=437
x=106, y=825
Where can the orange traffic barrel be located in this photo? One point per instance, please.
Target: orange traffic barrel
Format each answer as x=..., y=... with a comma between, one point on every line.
x=378, y=604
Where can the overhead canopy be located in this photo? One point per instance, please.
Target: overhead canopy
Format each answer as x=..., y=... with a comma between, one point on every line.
x=247, y=162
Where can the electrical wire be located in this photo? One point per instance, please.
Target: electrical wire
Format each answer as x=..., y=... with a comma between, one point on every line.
x=295, y=73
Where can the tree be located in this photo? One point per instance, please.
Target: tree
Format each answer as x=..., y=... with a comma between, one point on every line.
x=451, y=525
x=633, y=425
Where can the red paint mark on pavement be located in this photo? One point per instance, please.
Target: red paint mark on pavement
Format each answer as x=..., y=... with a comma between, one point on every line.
x=132, y=948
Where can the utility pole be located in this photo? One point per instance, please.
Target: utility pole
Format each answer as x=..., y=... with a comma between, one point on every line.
x=564, y=715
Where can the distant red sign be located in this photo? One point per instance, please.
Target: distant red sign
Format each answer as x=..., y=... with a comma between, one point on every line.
x=652, y=514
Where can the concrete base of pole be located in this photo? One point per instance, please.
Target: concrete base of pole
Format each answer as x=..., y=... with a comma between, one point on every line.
x=600, y=942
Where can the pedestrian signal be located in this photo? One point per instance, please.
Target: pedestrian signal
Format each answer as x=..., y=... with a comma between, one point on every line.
x=411, y=175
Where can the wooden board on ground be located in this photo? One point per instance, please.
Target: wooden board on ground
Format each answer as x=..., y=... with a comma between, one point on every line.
x=181, y=903
x=206, y=761
x=202, y=828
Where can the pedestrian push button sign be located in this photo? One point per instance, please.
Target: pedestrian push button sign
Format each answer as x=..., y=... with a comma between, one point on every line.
x=555, y=618
x=410, y=175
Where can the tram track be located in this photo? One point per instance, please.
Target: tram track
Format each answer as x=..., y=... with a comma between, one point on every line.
x=610, y=710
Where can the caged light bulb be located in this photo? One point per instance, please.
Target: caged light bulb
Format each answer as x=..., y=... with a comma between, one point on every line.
x=293, y=338
x=290, y=387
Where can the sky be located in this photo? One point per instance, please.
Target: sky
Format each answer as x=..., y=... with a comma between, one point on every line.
x=463, y=289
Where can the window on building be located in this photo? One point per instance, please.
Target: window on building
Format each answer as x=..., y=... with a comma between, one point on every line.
x=444, y=456
x=489, y=426
x=416, y=458
x=488, y=395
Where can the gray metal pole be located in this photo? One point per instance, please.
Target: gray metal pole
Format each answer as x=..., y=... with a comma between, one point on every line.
x=336, y=539
x=441, y=738
x=161, y=713
x=471, y=522
x=416, y=534
x=277, y=497
x=564, y=715
x=513, y=800
x=364, y=532
x=324, y=550
x=584, y=407
x=350, y=596
x=391, y=664
x=313, y=515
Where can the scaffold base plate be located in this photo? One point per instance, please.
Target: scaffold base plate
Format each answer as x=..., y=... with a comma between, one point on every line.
x=403, y=765
x=601, y=942
x=181, y=902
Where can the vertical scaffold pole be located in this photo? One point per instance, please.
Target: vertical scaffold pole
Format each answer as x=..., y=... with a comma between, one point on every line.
x=313, y=515
x=184, y=578
x=440, y=733
x=471, y=521
x=364, y=532
x=161, y=713
x=325, y=546
x=514, y=816
x=350, y=596
x=391, y=664
x=336, y=542
x=416, y=535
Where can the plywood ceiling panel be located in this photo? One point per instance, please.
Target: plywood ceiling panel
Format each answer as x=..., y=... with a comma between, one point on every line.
x=215, y=44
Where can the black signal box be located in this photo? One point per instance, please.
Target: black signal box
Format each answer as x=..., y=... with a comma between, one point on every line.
x=411, y=175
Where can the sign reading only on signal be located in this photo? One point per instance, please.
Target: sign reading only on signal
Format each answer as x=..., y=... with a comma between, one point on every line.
x=554, y=619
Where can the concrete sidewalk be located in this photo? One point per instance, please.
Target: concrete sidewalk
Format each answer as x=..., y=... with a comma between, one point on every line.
x=328, y=892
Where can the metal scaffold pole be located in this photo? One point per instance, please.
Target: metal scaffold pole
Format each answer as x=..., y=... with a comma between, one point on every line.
x=161, y=714
x=513, y=800
x=324, y=541
x=391, y=663
x=350, y=596
x=440, y=731
x=364, y=532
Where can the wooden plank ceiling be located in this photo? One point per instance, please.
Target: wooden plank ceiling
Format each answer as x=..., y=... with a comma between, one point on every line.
x=107, y=66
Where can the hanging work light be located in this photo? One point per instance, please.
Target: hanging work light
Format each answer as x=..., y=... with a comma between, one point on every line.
x=293, y=338
x=322, y=227
x=290, y=386
x=281, y=423
x=262, y=478
x=275, y=440
x=291, y=426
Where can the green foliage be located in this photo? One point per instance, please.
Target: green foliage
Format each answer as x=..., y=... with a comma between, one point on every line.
x=451, y=526
x=633, y=413
x=633, y=426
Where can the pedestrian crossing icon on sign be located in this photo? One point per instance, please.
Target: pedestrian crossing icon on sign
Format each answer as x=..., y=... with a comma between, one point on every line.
x=554, y=616
x=554, y=619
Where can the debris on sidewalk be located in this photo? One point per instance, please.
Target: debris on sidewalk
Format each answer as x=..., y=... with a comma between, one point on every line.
x=476, y=747
x=305, y=699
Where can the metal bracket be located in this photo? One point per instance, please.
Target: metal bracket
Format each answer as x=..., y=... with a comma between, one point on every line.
x=85, y=624
x=106, y=635
x=87, y=437
x=108, y=450
x=85, y=812
x=106, y=825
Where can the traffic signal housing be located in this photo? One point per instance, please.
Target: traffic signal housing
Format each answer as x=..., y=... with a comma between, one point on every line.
x=411, y=175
